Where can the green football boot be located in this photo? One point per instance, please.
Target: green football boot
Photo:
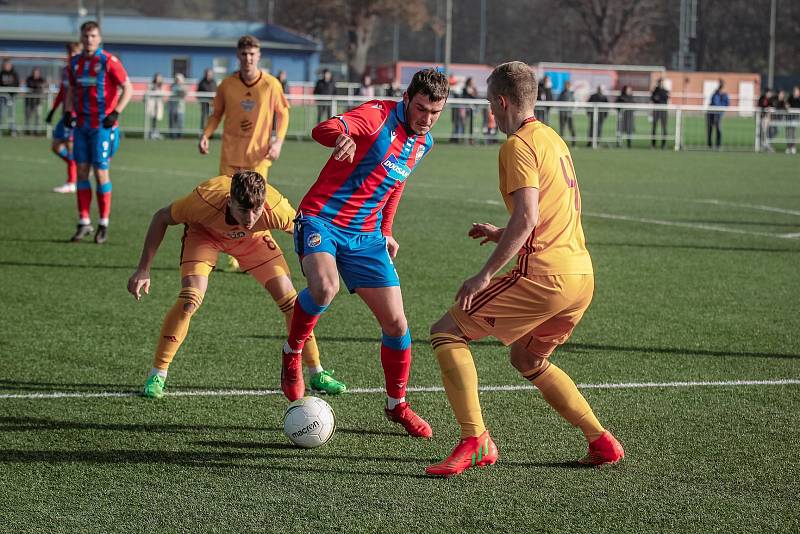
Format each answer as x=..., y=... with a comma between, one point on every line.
x=154, y=387
x=325, y=383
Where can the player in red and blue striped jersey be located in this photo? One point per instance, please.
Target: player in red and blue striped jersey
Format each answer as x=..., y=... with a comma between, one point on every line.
x=92, y=106
x=344, y=227
x=62, y=135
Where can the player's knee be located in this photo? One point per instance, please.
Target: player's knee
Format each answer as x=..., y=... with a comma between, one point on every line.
x=446, y=325
x=395, y=326
x=324, y=292
x=525, y=361
x=190, y=299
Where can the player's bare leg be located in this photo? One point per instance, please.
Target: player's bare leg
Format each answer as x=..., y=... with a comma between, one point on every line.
x=84, y=198
x=63, y=149
x=323, y=285
x=283, y=293
x=530, y=357
x=460, y=378
x=173, y=332
x=386, y=304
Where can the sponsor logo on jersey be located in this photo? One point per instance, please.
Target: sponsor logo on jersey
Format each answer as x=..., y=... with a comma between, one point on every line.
x=236, y=234
x=87, y=81
x=420, y=153
x=248, y=105
x=376, y=106
x=397, y=170
x=314, y=240
x=393, y=135
x=97, y=67
x=490, y=320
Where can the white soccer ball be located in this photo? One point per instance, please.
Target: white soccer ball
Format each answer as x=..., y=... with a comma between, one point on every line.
x=309, y=422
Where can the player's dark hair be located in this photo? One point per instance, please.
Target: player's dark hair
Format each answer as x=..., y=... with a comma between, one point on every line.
x=429, y=82
x=89, y=25
x=247, y=41
x=514, y=80
x=248, y=189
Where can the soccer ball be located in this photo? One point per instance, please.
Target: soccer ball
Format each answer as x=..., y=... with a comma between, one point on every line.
x=309, y=422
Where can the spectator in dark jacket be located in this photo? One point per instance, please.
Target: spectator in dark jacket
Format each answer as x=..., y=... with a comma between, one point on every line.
x=660, y=96
x=206, y=85
x=765, y=104
x=545, y=94
x=324, y=86
x=794, y=117
x=33, y=101
x=565, y=114
x=714, y=118
x=8, y=78
x=625, y=116
x=596, y=97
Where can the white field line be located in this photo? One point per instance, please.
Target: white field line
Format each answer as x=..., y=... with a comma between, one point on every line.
x=359, y=391
x=697, y=226
x=712, y=201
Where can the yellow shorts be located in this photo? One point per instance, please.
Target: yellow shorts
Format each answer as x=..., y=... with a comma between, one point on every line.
x=538, y=311
x=261, y=257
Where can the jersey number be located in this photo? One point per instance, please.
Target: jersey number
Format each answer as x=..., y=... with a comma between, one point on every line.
x=572, y=183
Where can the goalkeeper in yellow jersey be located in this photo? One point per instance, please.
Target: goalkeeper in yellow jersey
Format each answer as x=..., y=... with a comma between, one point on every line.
x=235, y=216
x=253, y=104
x=534, y=307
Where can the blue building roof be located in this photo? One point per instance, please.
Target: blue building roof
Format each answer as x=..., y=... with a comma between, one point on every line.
x=151, y=31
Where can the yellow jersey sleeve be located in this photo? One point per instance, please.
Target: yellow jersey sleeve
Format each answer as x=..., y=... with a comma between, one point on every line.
x=518, y=166
x=185, y=210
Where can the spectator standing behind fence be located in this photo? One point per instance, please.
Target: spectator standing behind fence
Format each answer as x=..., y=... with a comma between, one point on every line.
x=366, y=88
x=659, y=96
x=324, y=86
x=794, y=118
x=714, y=118
x=177, y=106
x=33, y=101
x=565, y=114
x=596, y=97
x=625, y=116
x=765, y=102
x=284, y=81
x=545, y=95
x=8, y=78
x=154, y=105
x=470, y=91
x=207, y=85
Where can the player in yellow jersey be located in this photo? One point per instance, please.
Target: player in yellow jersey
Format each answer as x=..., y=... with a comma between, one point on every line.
x=252, y=103
x=231, y=215
x=535, y=307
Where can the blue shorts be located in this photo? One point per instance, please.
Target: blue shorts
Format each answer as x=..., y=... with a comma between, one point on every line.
x=95, y=145
x=362, y=258
x=62, y=132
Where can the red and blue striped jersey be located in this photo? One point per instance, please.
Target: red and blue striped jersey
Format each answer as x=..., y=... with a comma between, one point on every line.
x=95, y=83
x=363, y=195
x=62, y=88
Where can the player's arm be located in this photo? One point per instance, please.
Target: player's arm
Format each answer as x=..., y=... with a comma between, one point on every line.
x=118, y=73
x=214, y=119
x=389, y=209
x=281, y=111
x=140, y=280
x=342, y=131
x=522, y=222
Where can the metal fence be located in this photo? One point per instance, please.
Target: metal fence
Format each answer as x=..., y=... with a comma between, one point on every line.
x=155, y=115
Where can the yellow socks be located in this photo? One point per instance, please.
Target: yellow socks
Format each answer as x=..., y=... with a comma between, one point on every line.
x=176, y=324
x=562, y=394
x=310, y=349
x=460, y=381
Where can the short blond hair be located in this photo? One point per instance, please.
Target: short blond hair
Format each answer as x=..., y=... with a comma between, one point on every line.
x=514, y=80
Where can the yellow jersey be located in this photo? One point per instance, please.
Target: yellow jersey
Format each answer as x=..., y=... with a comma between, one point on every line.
x=536, y=156
x=207, y=209
x=249, y=111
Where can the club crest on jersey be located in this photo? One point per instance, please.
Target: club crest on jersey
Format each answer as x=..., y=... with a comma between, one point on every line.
x=393, y=135
x=420, y=153
x=314, y=239
x=97, y=67
x=248, y=105
x=397, y=170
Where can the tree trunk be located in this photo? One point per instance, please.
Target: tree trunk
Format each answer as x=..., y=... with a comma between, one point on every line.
x=360, y=40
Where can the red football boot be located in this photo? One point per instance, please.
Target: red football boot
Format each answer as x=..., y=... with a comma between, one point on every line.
x=605, y=450
x=292, y=383
x=415, y=425
x=470, y=452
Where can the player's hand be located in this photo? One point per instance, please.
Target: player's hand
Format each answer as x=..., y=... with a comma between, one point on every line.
x=110, y=119
x=488, y=232
x=138, y=282
x=49, y=117
x=344, y=149
x=470, y=288
x=274, y=151
x=203, y=145
x=392, y=246
x=69, y=119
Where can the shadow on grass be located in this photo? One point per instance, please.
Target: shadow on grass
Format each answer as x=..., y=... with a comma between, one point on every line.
x=34, y=424
x=581, y=347
x=80, y=266
x=225, y=460
x=29, y=385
